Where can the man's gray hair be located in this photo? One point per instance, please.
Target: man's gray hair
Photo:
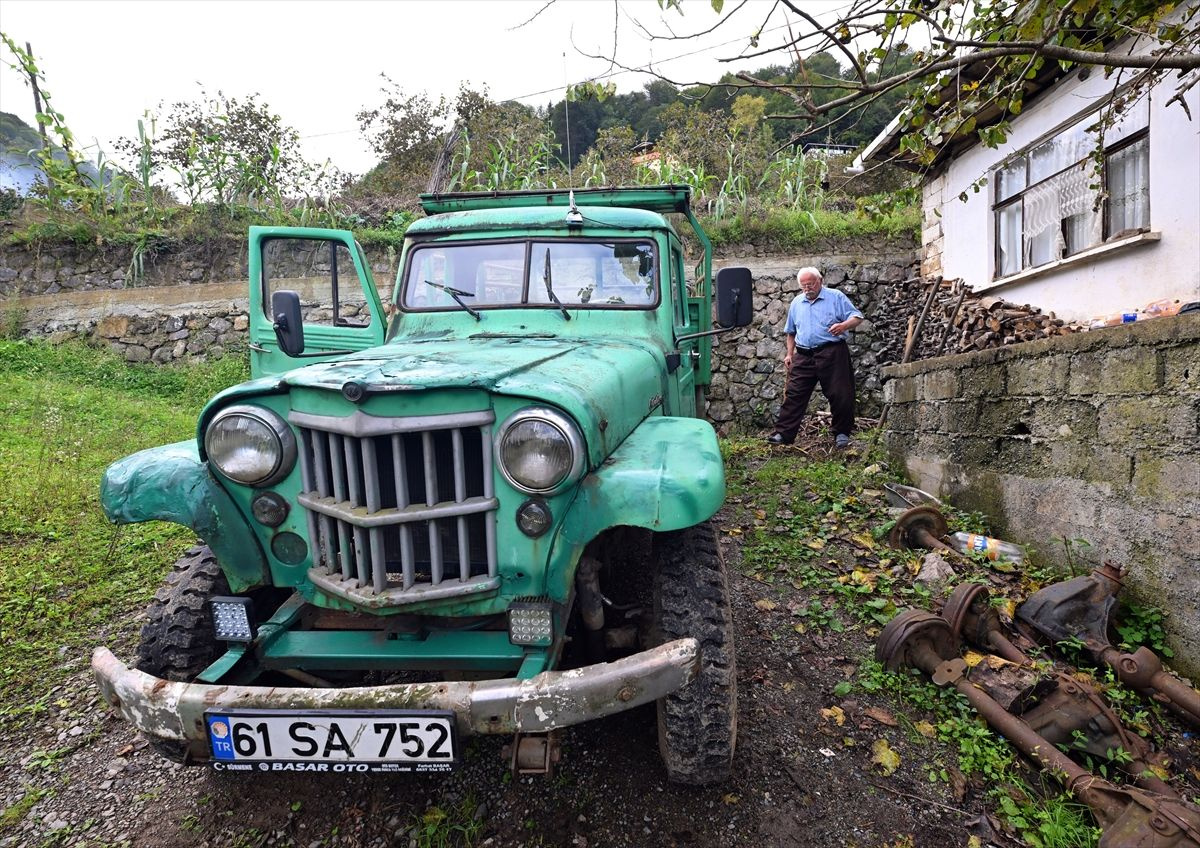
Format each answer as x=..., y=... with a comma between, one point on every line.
x=809, y=271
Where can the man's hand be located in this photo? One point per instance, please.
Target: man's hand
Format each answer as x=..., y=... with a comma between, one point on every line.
x=842, y=326
x=787, y=362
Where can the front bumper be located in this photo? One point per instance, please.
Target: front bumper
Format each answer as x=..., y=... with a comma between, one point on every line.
x=174, y=712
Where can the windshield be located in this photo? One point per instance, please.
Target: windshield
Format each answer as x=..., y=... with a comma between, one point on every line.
x=578, y=274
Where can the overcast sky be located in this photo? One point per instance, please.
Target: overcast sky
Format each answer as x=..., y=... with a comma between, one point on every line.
x=318, y=63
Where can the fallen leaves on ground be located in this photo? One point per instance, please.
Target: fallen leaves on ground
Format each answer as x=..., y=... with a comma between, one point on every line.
x=881, y=715
x=925, y=729
x=883, y=756
x=835, y=714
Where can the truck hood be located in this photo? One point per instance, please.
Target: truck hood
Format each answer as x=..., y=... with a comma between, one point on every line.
x=608, y=385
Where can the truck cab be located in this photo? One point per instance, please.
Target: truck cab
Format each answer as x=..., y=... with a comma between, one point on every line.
x=480, y=509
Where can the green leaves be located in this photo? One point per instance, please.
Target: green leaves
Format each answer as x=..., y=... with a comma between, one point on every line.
x=591, y=90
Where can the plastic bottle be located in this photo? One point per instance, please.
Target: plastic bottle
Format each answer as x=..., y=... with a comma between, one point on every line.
x=993, y=549
x=1161, y=308
x=1113, y=320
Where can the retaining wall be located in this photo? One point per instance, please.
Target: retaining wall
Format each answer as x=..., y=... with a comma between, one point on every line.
x=1094, y=436
x=179, y=307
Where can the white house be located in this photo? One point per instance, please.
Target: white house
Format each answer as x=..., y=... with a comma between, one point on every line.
x=1034, y=232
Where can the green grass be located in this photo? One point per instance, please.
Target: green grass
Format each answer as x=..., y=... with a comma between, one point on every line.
x=791, y=229
x=66, y=574
x=451, y=826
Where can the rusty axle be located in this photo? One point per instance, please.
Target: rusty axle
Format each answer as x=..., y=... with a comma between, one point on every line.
x=1131, y=818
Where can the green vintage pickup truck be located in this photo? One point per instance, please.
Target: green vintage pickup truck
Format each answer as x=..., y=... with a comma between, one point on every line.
x=481, y=508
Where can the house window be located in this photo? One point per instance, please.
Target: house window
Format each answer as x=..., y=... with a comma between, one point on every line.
x=1048, y=203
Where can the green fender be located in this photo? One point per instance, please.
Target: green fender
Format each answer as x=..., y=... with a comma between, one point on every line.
x=170, y=483
x=667, y=475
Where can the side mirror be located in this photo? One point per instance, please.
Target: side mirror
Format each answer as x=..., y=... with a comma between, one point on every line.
x=735, y=297
x=288, y=322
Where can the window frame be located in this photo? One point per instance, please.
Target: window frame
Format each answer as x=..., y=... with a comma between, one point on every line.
x=528, y=242
x=997, y=207
x=338, y=321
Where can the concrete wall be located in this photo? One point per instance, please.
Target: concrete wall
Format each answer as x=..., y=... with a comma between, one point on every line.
x=959, y=236
x=1093, y=436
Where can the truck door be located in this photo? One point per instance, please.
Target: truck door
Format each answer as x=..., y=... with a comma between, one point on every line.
x=689, y=349
x=339, y=303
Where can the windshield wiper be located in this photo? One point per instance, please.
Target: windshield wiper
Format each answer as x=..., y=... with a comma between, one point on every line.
x=458, y=295
x=550, y=288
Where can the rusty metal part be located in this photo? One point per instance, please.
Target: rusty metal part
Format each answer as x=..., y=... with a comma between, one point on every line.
x=535, y=753
x=1131, y=818
x=1079, y=609
x=591, y=606
x=1063, y=710
x=174, y=712
x=972, y=618
x=920, y=527
x=1016, y=688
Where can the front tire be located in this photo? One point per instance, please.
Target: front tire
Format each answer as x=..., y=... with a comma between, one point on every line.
x=697, y=725
x=177, y=640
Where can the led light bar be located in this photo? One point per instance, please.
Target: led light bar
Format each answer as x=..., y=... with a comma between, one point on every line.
x=531, y=623
x=231, y=619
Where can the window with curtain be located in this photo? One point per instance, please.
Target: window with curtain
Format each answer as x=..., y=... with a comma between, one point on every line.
x=1048, y=202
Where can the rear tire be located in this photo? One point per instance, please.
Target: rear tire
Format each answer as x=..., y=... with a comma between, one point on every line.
x=177, y=639
x=697, y=725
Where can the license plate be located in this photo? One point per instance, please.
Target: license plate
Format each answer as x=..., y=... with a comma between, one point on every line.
x=331, y=740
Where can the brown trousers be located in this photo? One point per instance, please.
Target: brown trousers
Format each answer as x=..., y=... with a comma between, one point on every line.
x=830, y=367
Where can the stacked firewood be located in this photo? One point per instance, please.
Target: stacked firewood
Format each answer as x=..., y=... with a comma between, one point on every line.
x=958, y=321
x=984, y=322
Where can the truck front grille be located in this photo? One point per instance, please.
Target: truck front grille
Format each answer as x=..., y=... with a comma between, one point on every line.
x=401, y=509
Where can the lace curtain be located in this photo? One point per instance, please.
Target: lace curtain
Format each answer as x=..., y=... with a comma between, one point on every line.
x=1063, y=198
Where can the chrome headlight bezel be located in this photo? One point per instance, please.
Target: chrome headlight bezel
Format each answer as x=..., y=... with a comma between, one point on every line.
x=283, y=462
x=566, y=428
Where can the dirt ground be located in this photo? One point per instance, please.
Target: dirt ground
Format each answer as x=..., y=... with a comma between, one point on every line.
x=799, y=779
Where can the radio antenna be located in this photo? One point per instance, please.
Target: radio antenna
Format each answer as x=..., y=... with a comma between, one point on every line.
x=567, y=110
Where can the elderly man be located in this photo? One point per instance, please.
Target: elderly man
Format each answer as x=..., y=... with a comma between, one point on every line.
x=817, y=323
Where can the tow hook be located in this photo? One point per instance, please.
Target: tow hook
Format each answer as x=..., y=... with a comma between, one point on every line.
x=534, y=753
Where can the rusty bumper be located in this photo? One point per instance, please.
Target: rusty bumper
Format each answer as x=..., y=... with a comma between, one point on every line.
x=174, y=712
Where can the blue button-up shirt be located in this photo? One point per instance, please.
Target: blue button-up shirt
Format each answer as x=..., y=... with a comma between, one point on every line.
x=810, y=321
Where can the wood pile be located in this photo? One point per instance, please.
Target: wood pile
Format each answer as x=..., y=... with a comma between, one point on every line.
x=957, y=321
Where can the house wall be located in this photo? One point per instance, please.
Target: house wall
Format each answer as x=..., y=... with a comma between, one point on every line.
x=1116, y=281
x=1092, y=436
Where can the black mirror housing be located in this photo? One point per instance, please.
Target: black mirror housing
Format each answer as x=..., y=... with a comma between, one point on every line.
x=288, y=322
x=735, y=297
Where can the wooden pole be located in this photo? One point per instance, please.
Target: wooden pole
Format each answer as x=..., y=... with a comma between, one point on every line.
x=950, y=324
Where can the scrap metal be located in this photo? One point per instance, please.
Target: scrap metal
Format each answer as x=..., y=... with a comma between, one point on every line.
x=1080, y=609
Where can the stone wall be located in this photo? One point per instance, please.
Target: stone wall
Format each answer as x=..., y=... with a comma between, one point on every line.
x=748, y=374
x=183, y=308
x=1094, y=436
x=34, y=270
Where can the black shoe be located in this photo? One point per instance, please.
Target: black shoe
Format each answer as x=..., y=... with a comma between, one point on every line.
x=777, y=439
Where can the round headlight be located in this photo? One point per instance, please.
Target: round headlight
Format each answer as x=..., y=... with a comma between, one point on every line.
x=251, y=445
x=540, y=450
